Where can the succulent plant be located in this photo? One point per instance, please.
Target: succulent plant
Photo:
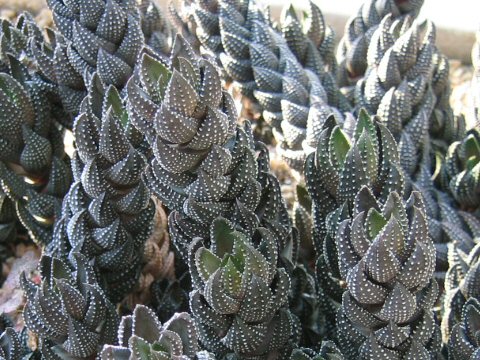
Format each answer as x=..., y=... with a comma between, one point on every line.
x=107, y=213
x=204, y=166
x=346, y=160
x=460, y=171
x=68, y=311
x=464, y=342
x=387, y=259
x=34, y=169
x=312, y=43
x=102, y=36
x=258, y=60
x=363, y=154
x=156, y=28
x=240, y=296
x=396, y=86
x=353, y=48
x=142, y=336
x=15, y=38
x=462, y=275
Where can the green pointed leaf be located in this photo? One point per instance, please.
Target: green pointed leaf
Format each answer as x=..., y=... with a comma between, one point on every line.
x=206, y=262
x=375, y=223
x=339, y=145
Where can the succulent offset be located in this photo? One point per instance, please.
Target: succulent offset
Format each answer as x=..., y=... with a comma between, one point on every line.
x=142, y=336
x=68, y=311
x=107, y=214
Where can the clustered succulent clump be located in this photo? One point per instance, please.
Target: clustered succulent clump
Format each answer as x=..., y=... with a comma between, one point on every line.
x=164, y=231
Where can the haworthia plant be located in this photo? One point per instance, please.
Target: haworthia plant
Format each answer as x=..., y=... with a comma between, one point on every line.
x=107, y=214
x=397, y=85
x=464, y=342
x=353, y=48
x=335, y=173
x=34, y=169
x=387, y=260
x=142, y=336
x=204, y=166
x=312, y=43
x=102, y=36
x=459, y=172
x=461, y=280
x=240, y=295
x=68, y=311
x=259, y=62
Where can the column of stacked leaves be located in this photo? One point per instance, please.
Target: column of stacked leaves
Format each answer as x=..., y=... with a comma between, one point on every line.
x=34, y=169
x=353, y=48
x=341, y=165
x=107, y=214
x=398, y=87
x=376, y=259
x=102, y=36
x=229, y=221
x=260, y=63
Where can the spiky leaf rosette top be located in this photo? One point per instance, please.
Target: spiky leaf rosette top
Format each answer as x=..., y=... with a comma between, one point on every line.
x=387, y=259
x=464, y=343
x=107, y=214
x=34, y=169
x=68, y=311
x=240, y=294
x=353, y=48
x=103, y=36
x=14, y=39
x=142, y=336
